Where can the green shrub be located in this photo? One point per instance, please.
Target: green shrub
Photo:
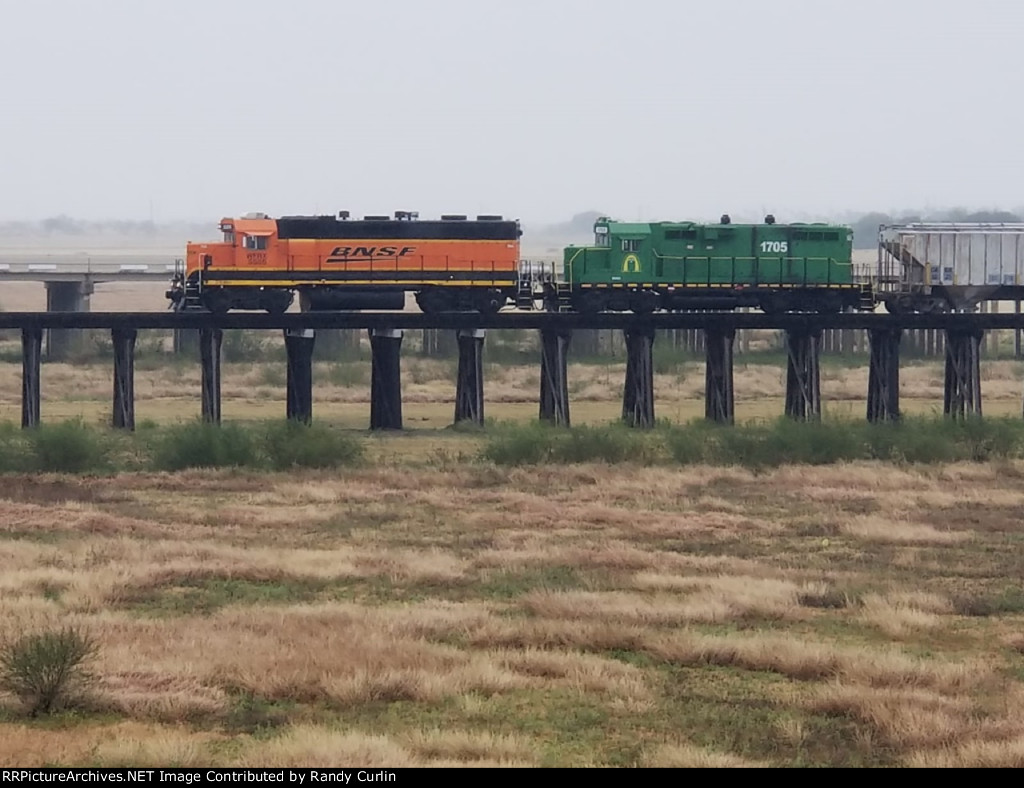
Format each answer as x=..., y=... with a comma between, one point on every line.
x=240, y=346
x=273, y=374
x=70, y=447
x=527, y=445
x=291, y=444
x=690, y=445
x=348, y=373
x=668, y=360
x=785, y=442
x=988, y=439
x=611, y=444
x=47, y=671
x=15, y=450
x=201, y=445
x=540, y=443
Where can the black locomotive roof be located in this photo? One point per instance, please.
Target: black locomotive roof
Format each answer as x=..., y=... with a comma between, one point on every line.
x=327, y=227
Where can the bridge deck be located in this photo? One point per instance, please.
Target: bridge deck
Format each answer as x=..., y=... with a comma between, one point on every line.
x=503, y=320
x=68, y=267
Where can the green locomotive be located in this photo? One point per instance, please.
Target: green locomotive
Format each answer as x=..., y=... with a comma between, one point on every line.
x=643, y=267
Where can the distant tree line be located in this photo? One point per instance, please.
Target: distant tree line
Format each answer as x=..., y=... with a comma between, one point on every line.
x=64, y=225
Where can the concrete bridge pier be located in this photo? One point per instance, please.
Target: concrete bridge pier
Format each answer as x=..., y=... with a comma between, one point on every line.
x=66, y=297
x=554, y=377
x=31, y=350
x=124, y=378
x=884, y=375
x=386, y=379
x=469, y=387
x=638, y=392
x=298, y=344
x=803, y=374
x=210, y=340
x=437, y=343
x=185, y=340
x=719, y=398
x=962, y=391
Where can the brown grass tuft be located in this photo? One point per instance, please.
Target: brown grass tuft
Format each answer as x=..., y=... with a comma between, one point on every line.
x=973, y=755
x=904, y=717
x=900, y=614
x=688, y=756
x=814, y=661
x=874, y=528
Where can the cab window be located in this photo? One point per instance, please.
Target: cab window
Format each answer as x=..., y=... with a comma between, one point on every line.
x=255, y=241
x=630, y=245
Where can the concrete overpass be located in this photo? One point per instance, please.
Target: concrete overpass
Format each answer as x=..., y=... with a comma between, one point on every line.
x=70, y=277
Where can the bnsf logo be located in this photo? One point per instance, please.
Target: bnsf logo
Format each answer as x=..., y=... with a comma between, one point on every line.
x=369, y=252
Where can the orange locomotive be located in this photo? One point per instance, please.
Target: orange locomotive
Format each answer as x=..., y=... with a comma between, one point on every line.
x=338, y=263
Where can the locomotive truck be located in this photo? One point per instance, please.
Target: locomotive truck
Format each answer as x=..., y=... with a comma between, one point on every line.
x=459, y=264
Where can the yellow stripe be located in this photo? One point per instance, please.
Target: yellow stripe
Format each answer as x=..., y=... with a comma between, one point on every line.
x=394, y=241
x=287, y=283
x=506, y=270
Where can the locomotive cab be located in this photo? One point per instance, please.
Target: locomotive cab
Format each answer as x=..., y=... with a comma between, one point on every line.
x=216, y=273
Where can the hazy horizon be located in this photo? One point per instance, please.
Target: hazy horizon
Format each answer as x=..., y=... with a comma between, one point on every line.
x=194, y=110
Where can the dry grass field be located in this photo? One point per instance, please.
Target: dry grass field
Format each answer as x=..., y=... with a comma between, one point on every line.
x=430, y=608
x=448, y=612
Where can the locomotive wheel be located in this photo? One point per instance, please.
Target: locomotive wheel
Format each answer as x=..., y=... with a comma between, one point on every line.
x=216, y=300
x=934, y=306
x=831, y=304
x=590, y=303
x=490, y=303
x=431, y=302
x=277, y=303
x=777, y=304
x=644, y=303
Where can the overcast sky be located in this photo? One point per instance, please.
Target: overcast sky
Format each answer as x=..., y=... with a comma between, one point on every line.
x=538, y=109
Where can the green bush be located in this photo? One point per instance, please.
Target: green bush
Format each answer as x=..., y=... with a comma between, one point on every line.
x=292, y=444
x=788, y=442
x=348, y=373
x=527, y=445
x=47, y=671
x=201, y=445
x=540, y=443
x=913, y=441
x=668, y=360
x=240, y=346
x=15, y=449
x=611, y=444
x=70, y=447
